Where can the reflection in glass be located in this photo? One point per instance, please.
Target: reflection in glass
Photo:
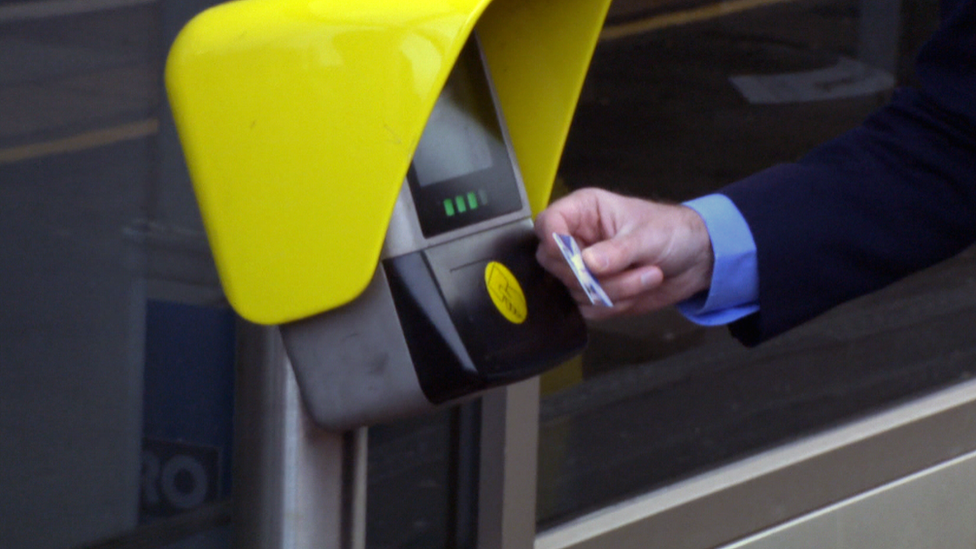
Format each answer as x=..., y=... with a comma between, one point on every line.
x=662, y=117
x=422, y=480
x=116, y=346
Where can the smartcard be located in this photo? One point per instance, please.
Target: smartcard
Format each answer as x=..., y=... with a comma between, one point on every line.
x=571, y=251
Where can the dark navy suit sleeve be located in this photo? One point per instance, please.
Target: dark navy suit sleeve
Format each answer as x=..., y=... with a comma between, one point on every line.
x=890, y=197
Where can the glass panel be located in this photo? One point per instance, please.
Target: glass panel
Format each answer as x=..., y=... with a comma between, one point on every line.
x=116, y=346
x=422, y=478
x=656, y=399
x=407, y=483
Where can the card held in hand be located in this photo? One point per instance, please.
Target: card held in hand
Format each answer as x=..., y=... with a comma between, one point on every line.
x=571, y=252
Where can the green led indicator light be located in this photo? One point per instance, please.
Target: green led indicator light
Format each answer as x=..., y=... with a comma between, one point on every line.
x=461, y=207
x=472, y=201
x=449, y=207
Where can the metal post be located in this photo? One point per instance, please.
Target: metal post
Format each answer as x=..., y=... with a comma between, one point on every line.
x=295, y=485
x=509, y=450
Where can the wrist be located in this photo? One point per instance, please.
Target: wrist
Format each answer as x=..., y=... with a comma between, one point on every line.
x=734, y=281
x=702, y=255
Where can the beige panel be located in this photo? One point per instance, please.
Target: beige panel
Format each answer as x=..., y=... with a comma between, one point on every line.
x=934, y=508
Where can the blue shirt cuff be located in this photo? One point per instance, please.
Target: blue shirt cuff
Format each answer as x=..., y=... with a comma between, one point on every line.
x=734, y=291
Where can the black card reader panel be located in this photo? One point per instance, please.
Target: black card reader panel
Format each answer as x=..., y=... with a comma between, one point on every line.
x=440, y=360
x=451, y=280
x=503, y=351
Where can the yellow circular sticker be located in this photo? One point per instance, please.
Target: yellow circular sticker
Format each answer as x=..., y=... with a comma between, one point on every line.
x=505, y=292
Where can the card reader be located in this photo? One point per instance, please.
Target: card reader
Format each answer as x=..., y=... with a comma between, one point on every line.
x=458, y=303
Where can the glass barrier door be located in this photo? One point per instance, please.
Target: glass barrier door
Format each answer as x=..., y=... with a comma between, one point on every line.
x=854, y=430
x=116, y=348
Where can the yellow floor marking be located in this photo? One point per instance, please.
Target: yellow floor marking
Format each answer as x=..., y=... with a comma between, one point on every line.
x=703, y=13
x=80, y=142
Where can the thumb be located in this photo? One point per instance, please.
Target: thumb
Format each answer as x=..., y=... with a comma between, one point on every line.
x=611, y=256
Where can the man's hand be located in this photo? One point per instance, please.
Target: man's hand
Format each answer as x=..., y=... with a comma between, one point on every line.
x=646, y=255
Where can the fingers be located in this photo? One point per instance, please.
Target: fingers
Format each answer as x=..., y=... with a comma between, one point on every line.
x=578, y=214
x=622, y=289
x=646, y=255
x=632, y=283
x=611, y=256
x=551, y=259
x=562, y=216
x=568, y=215
x=581, y=215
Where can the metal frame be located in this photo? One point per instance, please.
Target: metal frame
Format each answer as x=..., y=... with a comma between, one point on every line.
x=933, y=506
x=789, y=481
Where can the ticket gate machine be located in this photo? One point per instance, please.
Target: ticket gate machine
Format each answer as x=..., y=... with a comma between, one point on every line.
x=386, y=231
x=458, y=303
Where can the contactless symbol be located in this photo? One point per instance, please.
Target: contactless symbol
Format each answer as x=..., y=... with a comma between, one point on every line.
x=505, y=292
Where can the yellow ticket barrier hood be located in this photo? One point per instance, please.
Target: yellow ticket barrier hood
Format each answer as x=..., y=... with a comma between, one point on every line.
x=299, y=118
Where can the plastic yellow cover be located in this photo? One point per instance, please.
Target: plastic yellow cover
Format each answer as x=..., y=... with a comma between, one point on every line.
x=298, y=119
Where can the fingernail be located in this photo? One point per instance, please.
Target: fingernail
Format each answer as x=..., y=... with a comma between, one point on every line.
x=648, y=279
